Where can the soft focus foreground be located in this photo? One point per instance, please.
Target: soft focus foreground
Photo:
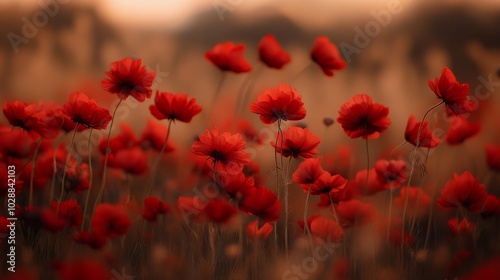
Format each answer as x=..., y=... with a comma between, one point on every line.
x=235, y=140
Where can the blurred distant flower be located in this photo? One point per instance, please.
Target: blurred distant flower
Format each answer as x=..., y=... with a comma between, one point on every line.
x=262, y=203
x=110, y=220
x=271, y=53
x=154, y=207
x=229, y=57
x=460, y=130
x=254, y=232
x=493, y=157
x=463, y=191
x=327, y=56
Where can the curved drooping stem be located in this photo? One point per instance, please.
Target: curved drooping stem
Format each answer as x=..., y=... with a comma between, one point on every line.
x=414, y=159
x=158, y=159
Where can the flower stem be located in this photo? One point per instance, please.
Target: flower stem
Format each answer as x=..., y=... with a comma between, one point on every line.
x=413, y=168
x=91, y=176
x=33, y=161
x=54, y=163
x=106, y=157
x=278, y=192
x=68, y=157
x=158, y=159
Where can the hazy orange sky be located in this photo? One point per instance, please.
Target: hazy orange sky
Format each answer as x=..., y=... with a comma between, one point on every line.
x=175, y=14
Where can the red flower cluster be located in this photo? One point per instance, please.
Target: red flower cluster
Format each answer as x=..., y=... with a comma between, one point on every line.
x=44, y=120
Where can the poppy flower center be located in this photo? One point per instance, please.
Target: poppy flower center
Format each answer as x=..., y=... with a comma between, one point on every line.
x=218, y=156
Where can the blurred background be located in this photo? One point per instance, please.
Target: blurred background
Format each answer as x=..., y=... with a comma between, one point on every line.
x=53, y=47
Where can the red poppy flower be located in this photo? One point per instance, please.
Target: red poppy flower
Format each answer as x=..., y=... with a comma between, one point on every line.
x=427, y=138
x=281, y=103
x=460, y=130
x=85, y=111
x=323, y=228
x=219, y=211
x=360, y=117
x=3, y=226
x=229, y=57
x=464, y=227
x=392, y=173
x=254, y=232
x=174, y=107
x=84, y=269
x=327, y=56
x=354, y=212
x=127, y=77
x=50, y=221
x=154, y=207
x=133, y=161
x=463, y=190
x=336, y=197
x=68, y=125
x=308, y=172
x=91, y=239
x=77, y=178
x=42, y=174
x=237, y=186
x=297, y=142
x=361, y=188
x=418, y=200
x=262, y=203
x=110, y=220
x=491, y=206
x=489, y=270
x=154, y=136
x=271, y=53
x=42, y=120
x=15, y=143
x=70, y=211
x=125, y=140
x=454, y=95
x=249, y=132
x=492, y=157
x=327, y=183
x=226, y=151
